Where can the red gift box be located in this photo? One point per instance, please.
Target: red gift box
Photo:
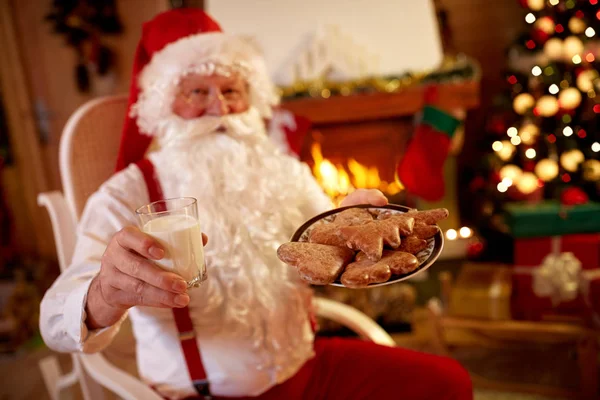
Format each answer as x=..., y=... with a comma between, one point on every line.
x=529, y=254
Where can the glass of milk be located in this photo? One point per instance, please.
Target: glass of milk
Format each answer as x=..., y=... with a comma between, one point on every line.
x=174, y=224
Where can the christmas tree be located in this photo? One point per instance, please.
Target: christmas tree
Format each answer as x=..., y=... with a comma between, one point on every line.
x=542, y=141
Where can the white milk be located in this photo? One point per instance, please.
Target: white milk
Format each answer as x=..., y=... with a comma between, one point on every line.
x=181, y=238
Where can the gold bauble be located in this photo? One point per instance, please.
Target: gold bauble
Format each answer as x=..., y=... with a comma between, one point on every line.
x=545, y=24
x=546, y=169
x=572, y=46
x=554, y=49
x=529, y=133
x=528, y=183
x=507, y=150
x=591, y=170
x=585, y=80
x=512, y=172
x=523, y=103
x=547, y=106
x=571, y=159
x=536, y=5
x=569, y=98
x=577, y=25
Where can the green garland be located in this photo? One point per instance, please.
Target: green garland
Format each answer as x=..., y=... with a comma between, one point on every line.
x=452, y=70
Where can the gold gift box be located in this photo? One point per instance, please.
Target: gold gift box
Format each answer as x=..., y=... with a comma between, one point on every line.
x=482, y=291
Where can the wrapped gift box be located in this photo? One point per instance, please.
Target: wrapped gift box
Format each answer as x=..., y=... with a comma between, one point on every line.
x=482, y=291
x=550, y=218
x=529, y=254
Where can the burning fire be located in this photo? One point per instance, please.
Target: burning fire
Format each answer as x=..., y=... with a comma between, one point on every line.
x=337, y=182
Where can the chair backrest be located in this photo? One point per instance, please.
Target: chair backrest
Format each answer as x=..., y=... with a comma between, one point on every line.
x=88, y=148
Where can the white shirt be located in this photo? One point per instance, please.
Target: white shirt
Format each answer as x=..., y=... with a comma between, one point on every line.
x=234, y=364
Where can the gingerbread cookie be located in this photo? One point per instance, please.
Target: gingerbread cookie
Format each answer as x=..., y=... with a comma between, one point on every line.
x=412, y=244
x=327, y=234
x=424, y=231
x=429, y=217
x=366, y=238
x=353, y=216
x=404, y=223
x=318, y=264
x=399, y=262
x=362, y=273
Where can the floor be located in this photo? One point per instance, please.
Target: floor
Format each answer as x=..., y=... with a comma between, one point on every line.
x=20, y=378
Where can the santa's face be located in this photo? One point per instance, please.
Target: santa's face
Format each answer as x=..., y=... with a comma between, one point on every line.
x=213, y=95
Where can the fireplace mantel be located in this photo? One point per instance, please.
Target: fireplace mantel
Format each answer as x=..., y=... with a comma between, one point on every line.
x=377, y=106
x=373, y=129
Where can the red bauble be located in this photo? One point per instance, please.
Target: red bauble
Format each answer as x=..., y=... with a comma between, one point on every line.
x=523, y=3
x=477, y=183
x=475, y=248
x=573, y=196
x=539, y=36
x=495, y=177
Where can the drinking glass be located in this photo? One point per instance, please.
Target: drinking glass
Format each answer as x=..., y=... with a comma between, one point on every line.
x=174, y=224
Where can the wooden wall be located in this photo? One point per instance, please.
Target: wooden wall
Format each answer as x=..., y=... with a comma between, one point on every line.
x=47, y=65
x=50, y=66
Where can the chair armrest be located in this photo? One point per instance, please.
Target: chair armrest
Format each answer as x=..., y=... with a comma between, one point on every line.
x=63, y=225
x=353, y=319
x=119, y=382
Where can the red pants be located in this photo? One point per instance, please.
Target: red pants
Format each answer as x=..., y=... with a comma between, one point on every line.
x=355, y=369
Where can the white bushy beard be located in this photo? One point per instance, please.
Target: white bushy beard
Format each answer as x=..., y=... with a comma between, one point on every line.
x=249, y=201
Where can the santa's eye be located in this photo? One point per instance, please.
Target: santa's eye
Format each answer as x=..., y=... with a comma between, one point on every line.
x=230, y=92
x=198, y=91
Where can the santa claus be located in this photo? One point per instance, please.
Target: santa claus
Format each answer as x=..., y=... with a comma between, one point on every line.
x=199, y=98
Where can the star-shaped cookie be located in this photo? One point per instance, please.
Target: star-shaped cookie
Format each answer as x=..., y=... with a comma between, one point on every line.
x=327, y=234
x=318, y=264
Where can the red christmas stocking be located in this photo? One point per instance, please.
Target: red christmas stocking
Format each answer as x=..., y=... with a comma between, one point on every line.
x=420, y=171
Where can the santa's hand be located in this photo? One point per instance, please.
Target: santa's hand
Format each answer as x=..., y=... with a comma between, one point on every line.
x=128, y=277
x=373, y=197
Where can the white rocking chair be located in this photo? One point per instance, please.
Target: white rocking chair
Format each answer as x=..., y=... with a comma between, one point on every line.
x=88, y=152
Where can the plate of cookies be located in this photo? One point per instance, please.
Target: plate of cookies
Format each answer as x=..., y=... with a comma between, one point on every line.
x=365, y=246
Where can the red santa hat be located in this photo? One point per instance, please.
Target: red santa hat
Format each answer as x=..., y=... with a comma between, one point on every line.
x=173, y=44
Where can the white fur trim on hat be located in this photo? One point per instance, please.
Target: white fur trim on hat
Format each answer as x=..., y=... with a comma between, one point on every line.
x=207, y=54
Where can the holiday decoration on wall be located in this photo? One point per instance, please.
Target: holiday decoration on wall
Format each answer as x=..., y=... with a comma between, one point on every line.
x=83, y=23
x=452, y=70
x=543, y=138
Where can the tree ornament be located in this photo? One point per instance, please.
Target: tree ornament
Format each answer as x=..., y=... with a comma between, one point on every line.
x=546, y=169
x=545, y=24
x=529, y=133
x=571, y=159
x=506, y=151
x=523, y=103
x=573, y=196
x=585, y=80
x=573, y=46
x=536, y=5
x=554, y=49
x=528, y=183
x=539, y=36
x=569, y=98
x=577, y=25
x=547, y=106
x=591, y=170
x=511, y=172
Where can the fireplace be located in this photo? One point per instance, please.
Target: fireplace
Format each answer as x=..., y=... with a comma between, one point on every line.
x=357, y=141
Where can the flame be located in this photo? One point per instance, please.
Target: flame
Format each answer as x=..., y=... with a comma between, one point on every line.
x=337, y=182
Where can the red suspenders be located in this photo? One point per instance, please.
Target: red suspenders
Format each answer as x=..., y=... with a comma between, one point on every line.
x=184, y=324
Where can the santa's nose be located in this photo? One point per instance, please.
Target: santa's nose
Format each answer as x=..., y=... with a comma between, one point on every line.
x=217, y=105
